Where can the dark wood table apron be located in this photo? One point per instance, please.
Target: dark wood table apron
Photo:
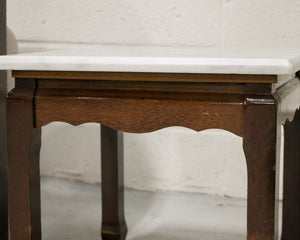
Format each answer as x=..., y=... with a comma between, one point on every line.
x=137, y=103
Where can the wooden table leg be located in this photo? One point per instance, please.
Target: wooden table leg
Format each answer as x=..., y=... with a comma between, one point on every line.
x=113, y=219
x=3, y=163
x=24, y=143
x=3, y=156
x=291, y=184
x=259, y=146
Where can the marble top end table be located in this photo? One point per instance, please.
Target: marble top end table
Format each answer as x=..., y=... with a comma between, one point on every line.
x=143, y=89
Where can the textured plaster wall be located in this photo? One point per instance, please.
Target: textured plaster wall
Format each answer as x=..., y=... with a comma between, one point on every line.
x=170, y=159
x=168, y=22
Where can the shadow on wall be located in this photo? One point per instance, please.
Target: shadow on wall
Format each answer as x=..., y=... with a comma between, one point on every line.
x=12, y=48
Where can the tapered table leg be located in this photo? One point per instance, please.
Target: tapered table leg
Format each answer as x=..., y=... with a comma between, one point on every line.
x=259, y=146
x=24, y=143
x=113, y=219
x=291, y=184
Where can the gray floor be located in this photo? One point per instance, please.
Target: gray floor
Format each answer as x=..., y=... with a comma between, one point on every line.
x=71, y=210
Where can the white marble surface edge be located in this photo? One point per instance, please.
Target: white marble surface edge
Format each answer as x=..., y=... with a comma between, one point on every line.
x=272, y=61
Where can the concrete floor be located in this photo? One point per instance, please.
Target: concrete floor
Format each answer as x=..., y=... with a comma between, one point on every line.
x=72, y=211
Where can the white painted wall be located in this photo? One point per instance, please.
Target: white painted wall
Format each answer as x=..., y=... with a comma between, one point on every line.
x=174, y=159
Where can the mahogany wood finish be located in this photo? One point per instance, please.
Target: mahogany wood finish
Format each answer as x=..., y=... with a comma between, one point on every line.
x=3, y=154
x=24, y=141
x=259, y=147
x=291, y=193
x=113, y=218
x=191, y=87
x=127, y=112
x=137, y=106
x=152, y=77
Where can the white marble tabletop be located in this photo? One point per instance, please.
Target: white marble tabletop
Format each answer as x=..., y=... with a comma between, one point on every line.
x=273, y=61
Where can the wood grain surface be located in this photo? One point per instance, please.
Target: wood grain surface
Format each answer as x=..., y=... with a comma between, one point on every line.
x=291, y=182
x=24, y=142
x=259, y=146
x=156, y=77
x=3, y=153
x=247, y=110
x=187, y=87
x=112, y=171
x=143, y=111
